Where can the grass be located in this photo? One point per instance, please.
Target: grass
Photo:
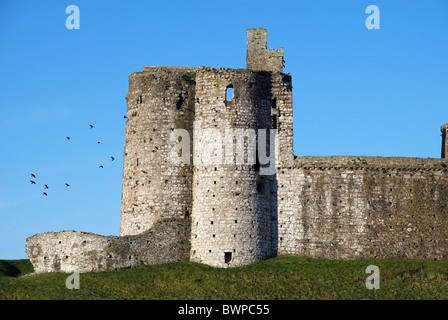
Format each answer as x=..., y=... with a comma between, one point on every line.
x=282, y=278
x=15, y=268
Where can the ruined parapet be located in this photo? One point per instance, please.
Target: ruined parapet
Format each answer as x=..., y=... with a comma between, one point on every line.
x=233, y=204
x=444, y=130
x=259, y=57
x=69, y=251
x=160, y=100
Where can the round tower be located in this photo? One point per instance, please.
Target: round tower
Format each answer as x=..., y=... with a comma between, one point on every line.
x=160, y=100
x=233, y=204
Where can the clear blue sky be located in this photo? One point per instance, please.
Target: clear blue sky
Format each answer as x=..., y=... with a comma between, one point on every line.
x=356, y=91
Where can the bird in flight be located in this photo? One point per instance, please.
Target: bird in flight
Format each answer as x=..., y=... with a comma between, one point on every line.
x=45, y=194
x=46, y=187
x=124, y=117
x=99, y=142
x=112, y=158
x=67, y=185
x=68, y=138
x=101, y=166
x=33, y=175
x=91, y=126
x=32, y=182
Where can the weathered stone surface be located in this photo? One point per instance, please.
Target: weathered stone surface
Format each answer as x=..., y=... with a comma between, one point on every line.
x=67, y=251
x=160, y=99
x=259, y=57
x=230, y=215
x=362, y=207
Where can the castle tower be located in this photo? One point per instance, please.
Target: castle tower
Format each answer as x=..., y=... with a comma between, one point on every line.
x=444, y=130
x=234, y=220
x=229, y=204
x=233, y=204
x=160, y=100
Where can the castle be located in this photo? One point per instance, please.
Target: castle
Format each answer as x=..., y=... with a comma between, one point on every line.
x=186, y=196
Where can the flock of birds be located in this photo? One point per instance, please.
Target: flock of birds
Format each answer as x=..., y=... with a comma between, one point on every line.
x=45, y=186
x=33, y=176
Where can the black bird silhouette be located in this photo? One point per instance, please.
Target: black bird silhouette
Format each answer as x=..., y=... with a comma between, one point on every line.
x=112, y=158
x=46, y=187
x=101, y=166
x=45, y=194
x=68, y=138
x=124, y=117
x=99, y=142
x=33, y=175
x=67, y=185
x=91, y=126
x=32, y=182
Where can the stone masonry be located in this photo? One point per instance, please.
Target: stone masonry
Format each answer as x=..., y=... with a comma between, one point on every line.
x=258, y=56
x=211, y=201
x=69, y=251
x=363, y=207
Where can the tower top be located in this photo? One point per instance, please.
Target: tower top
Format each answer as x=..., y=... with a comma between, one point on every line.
x=259, y=57
x=444, y=130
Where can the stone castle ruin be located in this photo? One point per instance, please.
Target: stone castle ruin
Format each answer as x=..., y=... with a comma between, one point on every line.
x=229, y=213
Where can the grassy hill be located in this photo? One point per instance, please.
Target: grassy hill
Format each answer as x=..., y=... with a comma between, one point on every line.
x=288, y=278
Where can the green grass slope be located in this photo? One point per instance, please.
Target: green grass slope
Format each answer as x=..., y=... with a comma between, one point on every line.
x=286, y=278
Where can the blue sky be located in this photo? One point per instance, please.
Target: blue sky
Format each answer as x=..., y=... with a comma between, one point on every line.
x=356, y=91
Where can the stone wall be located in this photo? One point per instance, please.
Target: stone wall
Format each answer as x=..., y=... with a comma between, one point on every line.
x=67, y=251
x=363, y=207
